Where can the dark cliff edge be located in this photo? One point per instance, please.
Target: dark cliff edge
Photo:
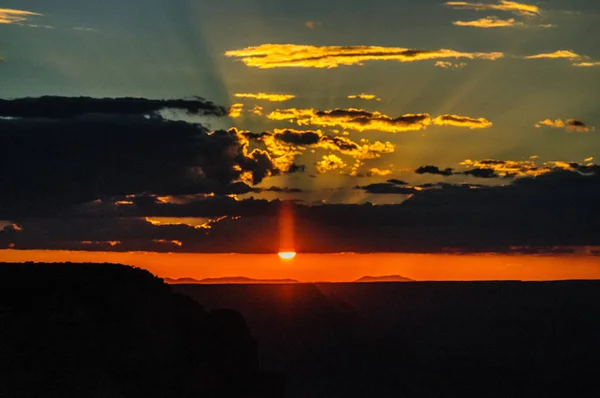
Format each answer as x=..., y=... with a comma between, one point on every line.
x=78, y=330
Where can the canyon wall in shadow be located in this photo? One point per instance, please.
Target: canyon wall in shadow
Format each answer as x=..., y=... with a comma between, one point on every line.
x=484, y=339
x=102, y=330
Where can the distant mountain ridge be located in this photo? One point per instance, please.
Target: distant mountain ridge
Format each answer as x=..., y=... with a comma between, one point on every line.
x=386, y=278
x=227, y=280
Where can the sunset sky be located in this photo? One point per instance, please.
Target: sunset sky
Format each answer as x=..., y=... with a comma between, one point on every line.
x=321, y=127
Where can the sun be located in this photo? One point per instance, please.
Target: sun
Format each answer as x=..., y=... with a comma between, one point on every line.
x=287, y=255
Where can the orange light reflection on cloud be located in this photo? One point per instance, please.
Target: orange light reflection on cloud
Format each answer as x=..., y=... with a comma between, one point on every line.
x=337, y=267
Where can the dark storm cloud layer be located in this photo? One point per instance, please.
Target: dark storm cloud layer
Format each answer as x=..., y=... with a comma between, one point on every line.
x=69, y=107
x=558, y=209
x=56, y=163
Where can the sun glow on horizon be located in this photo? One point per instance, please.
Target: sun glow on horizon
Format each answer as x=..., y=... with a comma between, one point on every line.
x=286, y=255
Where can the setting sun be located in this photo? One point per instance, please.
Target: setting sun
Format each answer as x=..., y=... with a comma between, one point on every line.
x=287, y=255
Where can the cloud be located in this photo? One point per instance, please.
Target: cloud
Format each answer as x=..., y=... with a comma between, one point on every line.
x=284, y=145
x=449, y=65
x=330, y=163
x=70, y=107
x=388, y=188
x=559, y=54
x=267, y=56
x=491, y=168
x=353, y=119
x=236, y=110
x=462, y=121
x=10, y=16
x=73, y=160
x=376, y=172
x=558, y=123
x=312, y=24
x=570, y=125
x=489, y=22
x=362, y=120
x=558, y=207
x=366, y=97
x=434, y=170
x=527, y=10
x=587, y=64
x=267, y=97
x=193, y=222
x=257, y=110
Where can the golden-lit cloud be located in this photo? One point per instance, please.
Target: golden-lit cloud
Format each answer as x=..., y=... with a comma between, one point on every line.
x=330, y=163
x=489, y=22
x=375, y=172
x=587, y=64
x=523, y=9
x=587, y=160
x=566, y=54
x=507, y=168
x=267, y=56
x=111, y=243
x=491, y=168
x=449, y=65
x=366, y=97
x=353, y=119
x=9, y=16
x=267, y=96
x=236, y=110
x=285, y=145
x=257, y=110
x=462, y=121
x=558, y=123
x=168, y=242
x=194, y=222
x=361, y=120
x=312, y=24
x=570, y=125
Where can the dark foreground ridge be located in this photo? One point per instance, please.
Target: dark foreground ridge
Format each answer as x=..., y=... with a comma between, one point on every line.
x=386, y=278
x=103, y=330
x=228, y=281
x=423, y=339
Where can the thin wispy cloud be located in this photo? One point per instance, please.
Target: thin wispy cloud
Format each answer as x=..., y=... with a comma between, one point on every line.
x=570, y=125
x=528, y=10
x=366, y=97
x=267, y=96
x=10, y=16
x=376, y=172
x=559, y=54
x=449, y=65
x=312, y=24
x=489, y=22
x=462, y=121
x=587, y=64
x=269, y=56
x=362, y=120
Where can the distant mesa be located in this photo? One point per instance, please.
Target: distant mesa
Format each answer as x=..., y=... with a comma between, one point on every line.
x=387, y=278
x=240, y=280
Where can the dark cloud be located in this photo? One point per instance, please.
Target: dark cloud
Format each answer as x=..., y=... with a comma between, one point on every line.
x=482, y=173
x=283, y=190
x=434, y=170
x=50, y=164
x=556, y=209
x=296, y=137
x=397, y=182
x=70, y=107
x=387, y=188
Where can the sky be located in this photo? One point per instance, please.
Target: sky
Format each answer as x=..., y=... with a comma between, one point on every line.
x=257, y=126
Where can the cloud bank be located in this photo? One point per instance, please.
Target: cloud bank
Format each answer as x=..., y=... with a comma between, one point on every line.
x=269, y=56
